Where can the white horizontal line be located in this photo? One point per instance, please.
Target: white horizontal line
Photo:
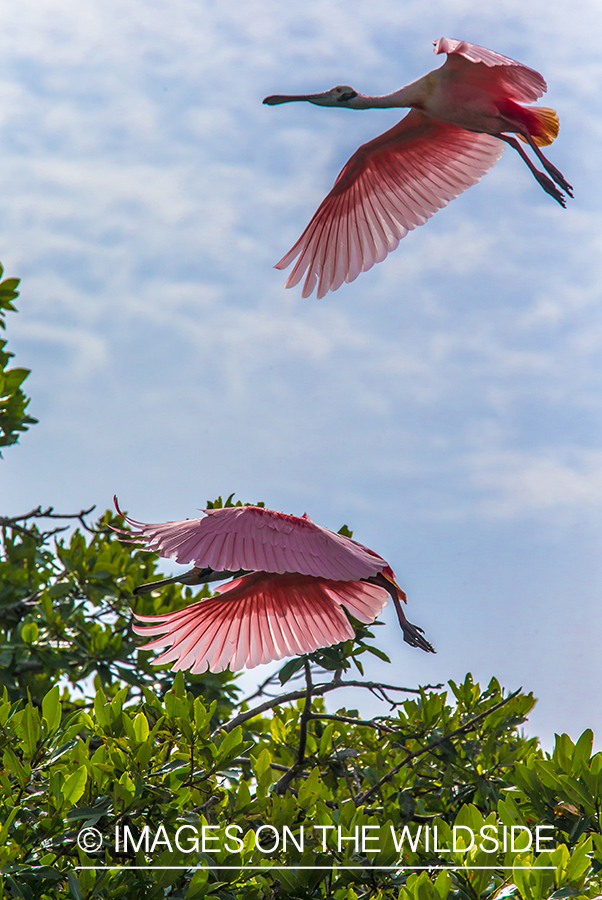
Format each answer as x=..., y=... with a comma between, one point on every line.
x=269, y=868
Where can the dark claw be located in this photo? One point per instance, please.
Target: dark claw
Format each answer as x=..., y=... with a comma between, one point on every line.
x=412, y=635
x=559, y=178
x=550, y=188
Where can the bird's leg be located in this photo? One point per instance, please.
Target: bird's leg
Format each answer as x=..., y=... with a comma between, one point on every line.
x=412, y=634
x=555, y=174
x=546, y=183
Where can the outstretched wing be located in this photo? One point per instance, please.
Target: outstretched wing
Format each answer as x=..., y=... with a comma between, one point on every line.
x=254, y=538
x=517, y=81
x=258, y=618
x=389, y=186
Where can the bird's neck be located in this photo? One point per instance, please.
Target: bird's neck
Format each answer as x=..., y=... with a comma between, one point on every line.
x=386, y=101
x=414, y=94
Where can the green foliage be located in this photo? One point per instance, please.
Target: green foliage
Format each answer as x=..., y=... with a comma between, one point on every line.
x=164, y=785
x=175, y=771
x=220, y=504
x=65, y=614
x=13, y=402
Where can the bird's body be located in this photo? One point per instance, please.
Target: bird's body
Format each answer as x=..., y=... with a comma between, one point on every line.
x=291, y=578
x=451, y=137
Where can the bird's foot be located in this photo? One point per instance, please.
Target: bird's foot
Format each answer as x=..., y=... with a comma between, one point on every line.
x=558, y=177
x=412, y=635
x=550, y=188
x=554, y=173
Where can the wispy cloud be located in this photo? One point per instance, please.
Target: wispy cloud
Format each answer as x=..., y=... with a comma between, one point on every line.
x=146, y=194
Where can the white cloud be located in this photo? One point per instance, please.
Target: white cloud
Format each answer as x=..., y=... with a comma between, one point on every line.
x=572, y=477
x=147, y=194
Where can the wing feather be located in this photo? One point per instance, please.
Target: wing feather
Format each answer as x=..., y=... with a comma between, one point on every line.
x=388, y=187
x=520, y=82
x=254, y=538
x=260, y=617
x=364, y=601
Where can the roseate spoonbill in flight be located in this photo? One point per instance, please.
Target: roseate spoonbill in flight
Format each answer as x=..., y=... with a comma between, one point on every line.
x=459, y=114
x=291, y=578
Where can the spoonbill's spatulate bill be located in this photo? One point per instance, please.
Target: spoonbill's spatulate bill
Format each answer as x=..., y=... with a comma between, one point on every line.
x=459, y=114
x=291, y=578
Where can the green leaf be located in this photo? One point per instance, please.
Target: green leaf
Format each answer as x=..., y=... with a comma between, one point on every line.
x=141, y=729
x=230, y=744
x=29, y=730
x=311, y=789
x=51, y=709
x=262, y=763
x=583, y=750
x=326, y=740
x=376, y=651
x=102, y=709
x=74, y=887
x=288, y=670
x=75, y=785
x=29, y=632
x=4, y=830
x=579, y=862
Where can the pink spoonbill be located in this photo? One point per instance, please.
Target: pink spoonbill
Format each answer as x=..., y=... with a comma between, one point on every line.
x=290, y=579
x=459, y=116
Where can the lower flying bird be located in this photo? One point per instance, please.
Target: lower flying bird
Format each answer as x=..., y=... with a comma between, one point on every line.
x=451, y=137
x=291, y=578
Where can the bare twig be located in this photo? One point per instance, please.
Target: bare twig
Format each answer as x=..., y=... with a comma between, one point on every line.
x=213, y=799
x=318, y=690
x=47, y=513
x=261, y=688
x=468, y=726
x=371, y=723
x=16, y=611
x=273, y=678
x=381, y=695
x=14, y=522
x=246, y=761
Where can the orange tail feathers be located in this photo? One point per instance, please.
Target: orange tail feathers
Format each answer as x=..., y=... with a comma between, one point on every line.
x=541, y=123
x=546, y=125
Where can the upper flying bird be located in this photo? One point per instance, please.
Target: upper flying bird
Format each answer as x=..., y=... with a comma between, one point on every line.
x=291, y=578
x=451, y=137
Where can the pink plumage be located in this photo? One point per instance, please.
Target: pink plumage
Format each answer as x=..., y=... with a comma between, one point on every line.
x=519, y=81
x=251, y=537
x=261, y=617
x=292, y=579
x=459, y=116
x=388, y=187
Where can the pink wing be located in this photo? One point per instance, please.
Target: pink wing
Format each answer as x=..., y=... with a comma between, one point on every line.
x=389, y=186
x=259, y=618
x=518, y=82
x=251, y=537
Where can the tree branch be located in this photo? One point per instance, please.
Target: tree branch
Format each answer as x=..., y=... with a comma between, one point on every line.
x=370, y=723
x=14, y=522
x=468, y=726
x=281, y=786
x=261, y=688
x=318, y=690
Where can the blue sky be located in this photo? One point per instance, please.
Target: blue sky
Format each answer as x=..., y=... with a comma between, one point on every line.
x=446, y=405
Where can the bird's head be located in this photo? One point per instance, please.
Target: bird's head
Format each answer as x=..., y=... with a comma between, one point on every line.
x=341, y=95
